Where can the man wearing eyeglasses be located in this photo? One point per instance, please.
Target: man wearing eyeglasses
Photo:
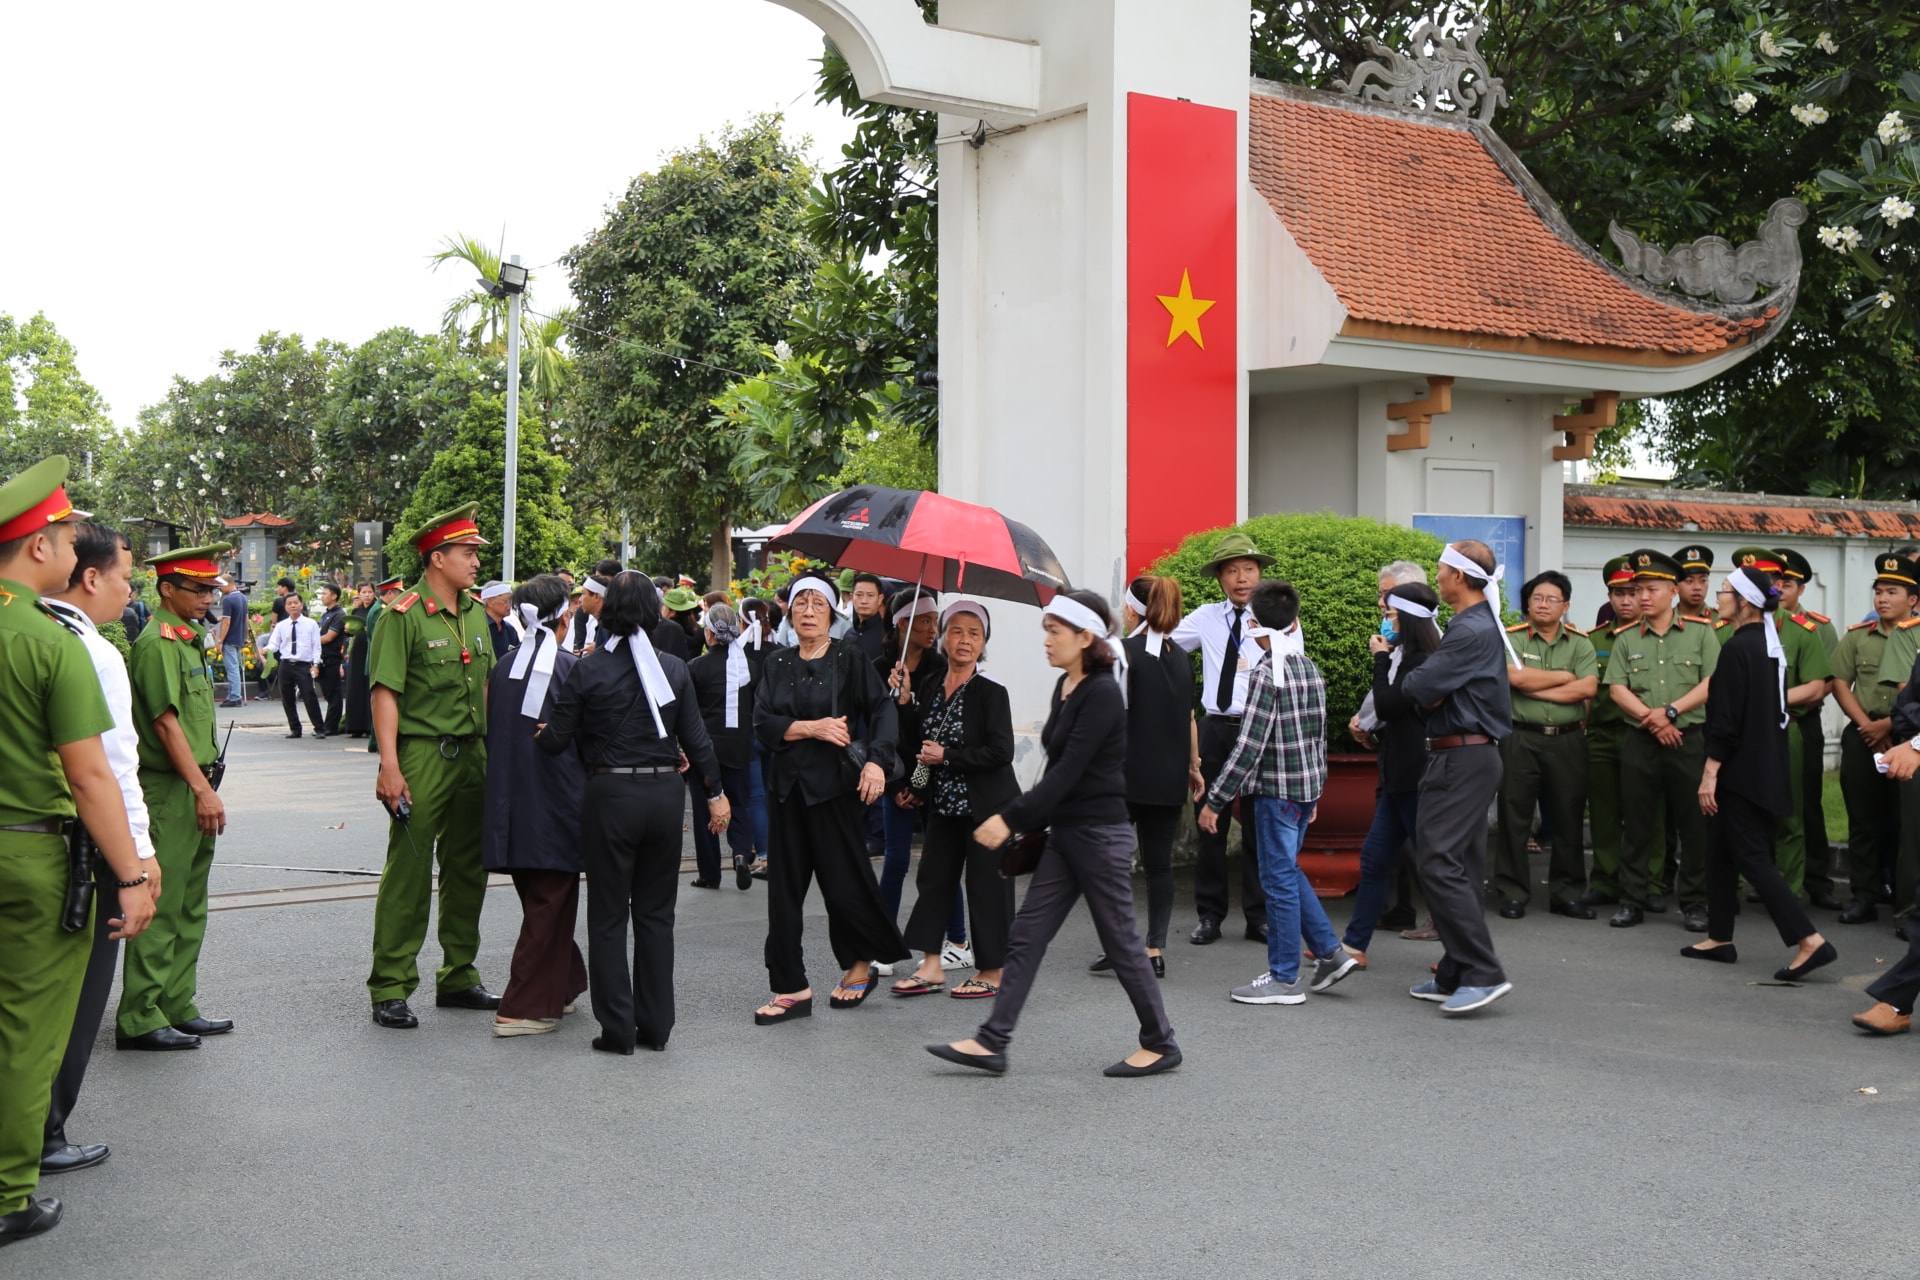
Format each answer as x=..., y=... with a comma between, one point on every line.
x=1545, y=759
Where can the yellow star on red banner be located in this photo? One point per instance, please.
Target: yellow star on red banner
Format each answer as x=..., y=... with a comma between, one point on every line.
x=1186, y=311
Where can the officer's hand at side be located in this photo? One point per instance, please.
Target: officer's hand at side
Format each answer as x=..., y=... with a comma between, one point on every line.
x=873, y=780
x=210, y=812
x=136, y=913
x=1902, y=762
x=390, y=788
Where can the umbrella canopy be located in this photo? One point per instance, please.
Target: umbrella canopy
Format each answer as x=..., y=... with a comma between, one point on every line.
x=929, y=538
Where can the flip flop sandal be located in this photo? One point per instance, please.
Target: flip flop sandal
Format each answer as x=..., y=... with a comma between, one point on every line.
x=865, y=987
x=790, y=1009
x=983, y=990
x=917, y=987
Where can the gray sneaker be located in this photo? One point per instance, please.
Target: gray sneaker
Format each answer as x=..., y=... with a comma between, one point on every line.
x=1265, y=990
x=1328, y=970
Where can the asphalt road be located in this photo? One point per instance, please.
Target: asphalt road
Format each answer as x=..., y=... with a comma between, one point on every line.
x=1623, y=1114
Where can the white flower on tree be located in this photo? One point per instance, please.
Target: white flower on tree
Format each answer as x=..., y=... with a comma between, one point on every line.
x=1895, y=211
x=1885, y=300
x=1824, y=43
x=1770, y=46
x=1892, y=129
x=1808, y=113
x=1745, y=103
x=1839, y=239
x=1683, y=123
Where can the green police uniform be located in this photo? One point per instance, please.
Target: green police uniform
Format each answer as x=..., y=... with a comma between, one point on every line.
x=1544, y=762
x=1811, y=734
x=1606, y=728
x=49, y=697
x=1872, y=798
x=1805, y=661
x=373, y=615
x=169, y=671
x=1659, y=668
x=436, y=661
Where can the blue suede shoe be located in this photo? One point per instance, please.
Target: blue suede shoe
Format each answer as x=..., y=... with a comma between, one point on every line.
x=1467, y=999
x=1430, y=990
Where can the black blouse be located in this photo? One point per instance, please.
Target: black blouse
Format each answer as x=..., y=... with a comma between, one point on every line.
x=1160, y=694
x=840, y=682
x=1403, y=725
x=733, y=746
x=1086, y=779
x=979, y=746
x=604, y=707
x=1743, y=727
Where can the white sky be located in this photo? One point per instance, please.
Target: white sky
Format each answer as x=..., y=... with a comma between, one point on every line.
x=185, y=177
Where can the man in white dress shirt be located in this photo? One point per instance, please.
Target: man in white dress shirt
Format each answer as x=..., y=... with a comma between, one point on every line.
x=97, y=592
x=296, y=639
x=1227, y=655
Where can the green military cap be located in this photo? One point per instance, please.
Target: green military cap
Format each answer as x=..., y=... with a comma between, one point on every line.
x=1694, y=559
x=36, y=498
x=1648, y=563
x=1896, y=569
x=1617, y=572
x=1793, y=564
x=191, y=562
x=1763, y=558
x=451, y=527
x=1235, y=545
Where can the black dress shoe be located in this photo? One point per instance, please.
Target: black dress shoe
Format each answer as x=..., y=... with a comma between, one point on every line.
x=1165, y=1062
x=705, y=884
x=1826, y=955
x=607, y=1044
x=1860, y=911
x=157, y=1039
x=1595, y=898
x=38, y=1216
x=294, y=734
x=994, y=1063
x=395, y=1014
x=742, y=874
x=1656, y=905
x=471, y=998
x=1724, y=954
x=205, y=1026
x=1824, y=900
x=1204, y=932
x=320, y=734
x=1626, y=917
x=1256, y=931
x=1694, y=919
x=1572, y=910
x=70, y=1157
x=1513, y=909
x=1100, y=964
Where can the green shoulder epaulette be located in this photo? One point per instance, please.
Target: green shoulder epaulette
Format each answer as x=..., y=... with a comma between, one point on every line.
x=405, y=602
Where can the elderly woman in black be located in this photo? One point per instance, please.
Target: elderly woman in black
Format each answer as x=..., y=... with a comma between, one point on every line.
x=822, y=780
x=1744, y=790
x=632, y=712
x=965, y=731
x=723, y=683
x=1081, y=802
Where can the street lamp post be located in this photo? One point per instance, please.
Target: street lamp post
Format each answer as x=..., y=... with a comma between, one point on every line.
x=513, y=282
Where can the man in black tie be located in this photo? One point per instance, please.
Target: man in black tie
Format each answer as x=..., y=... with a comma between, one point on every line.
x=296, y=639
x=1226, y=656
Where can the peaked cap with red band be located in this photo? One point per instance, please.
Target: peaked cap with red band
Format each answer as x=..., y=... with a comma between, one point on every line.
x=36, y=498
x=1764, y=558
x=1617, y=571
x=391, y=584
x=449, y=528
x=191, y=562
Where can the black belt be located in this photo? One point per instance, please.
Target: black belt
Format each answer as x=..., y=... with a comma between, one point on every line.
x=1224, y=718
x=597, y=770
x=1549, y=730
x=1447, y=742
x=450, y=743
x=44, y=827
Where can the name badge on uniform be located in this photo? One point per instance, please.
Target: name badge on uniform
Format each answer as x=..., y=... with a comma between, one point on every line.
x=438, y=644
x=1243, y=664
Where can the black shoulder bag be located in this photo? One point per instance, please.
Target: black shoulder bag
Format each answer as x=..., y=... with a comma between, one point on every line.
x=853, y=756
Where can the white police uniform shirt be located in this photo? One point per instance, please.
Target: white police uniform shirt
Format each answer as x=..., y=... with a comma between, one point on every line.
x=296, y=640
x=1207, y=629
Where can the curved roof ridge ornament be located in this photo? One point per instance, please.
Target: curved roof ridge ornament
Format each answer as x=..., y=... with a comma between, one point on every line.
x=1443, y=74
x=1712, y=266
x=900, y=59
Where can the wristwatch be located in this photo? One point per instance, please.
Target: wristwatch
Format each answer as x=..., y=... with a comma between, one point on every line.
x=1672, y=715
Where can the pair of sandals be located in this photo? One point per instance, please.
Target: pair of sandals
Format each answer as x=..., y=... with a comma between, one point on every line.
x=971, y=989
x=790, y=1008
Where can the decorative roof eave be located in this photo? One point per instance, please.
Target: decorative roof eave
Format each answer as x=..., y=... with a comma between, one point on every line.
x=1711, y=512
x=1774, y=310
x=258, y=520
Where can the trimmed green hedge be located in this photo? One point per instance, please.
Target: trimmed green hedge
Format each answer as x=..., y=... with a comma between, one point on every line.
x=1334, y=561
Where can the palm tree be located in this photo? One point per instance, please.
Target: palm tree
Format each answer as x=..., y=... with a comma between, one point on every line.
x=476, y=319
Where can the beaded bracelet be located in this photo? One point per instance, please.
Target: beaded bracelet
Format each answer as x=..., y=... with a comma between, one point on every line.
x=131, y=884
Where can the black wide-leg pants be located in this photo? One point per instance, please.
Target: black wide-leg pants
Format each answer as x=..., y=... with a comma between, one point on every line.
x=630, y=836
x=827, y=840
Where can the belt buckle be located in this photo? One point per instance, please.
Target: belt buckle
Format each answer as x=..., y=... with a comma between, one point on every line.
x=449, y=741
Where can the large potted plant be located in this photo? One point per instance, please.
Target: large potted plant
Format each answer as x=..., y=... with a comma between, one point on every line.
x=1335, y=562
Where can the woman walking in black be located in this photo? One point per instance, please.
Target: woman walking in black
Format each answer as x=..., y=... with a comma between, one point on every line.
x=723, y=683
x=964, y=744
x=1163, y=747
x=1081, y=804
x=633, y=712
x=1744, y=789
x=359, y=715
x=822, y=780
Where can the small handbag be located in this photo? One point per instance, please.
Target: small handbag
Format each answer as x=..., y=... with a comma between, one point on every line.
x=1020, y=855
x=922, y=776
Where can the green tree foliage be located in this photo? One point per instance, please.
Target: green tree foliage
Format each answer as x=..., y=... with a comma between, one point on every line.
x=1332, y=560
x=473, y=468
x=46, y=407
x=691, y=278
x=890, y=453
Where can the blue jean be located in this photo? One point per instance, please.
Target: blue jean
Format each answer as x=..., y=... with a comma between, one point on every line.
x=236, y=673
x=900, y=825
x=1294, y=913
x=1393, y=823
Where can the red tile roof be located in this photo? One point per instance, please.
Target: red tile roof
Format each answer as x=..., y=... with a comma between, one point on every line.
x=265, y=519
x=1666, y=511
x=1417, y=224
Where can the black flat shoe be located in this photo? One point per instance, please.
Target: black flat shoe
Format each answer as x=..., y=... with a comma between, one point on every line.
x=1513, y=909
x=607, y=1044
x=1165, y=1062
x=293, y=735
x=395, y=1015
x=1626, y=917
x=704, y=884
x=1595, y=898
x=69, y=1157
x=471, y=998
x=204, y=1026
x=1159, y=964
x=1826, y=955
x=159, y=1039
x=1256, y=932
x=38, y=1216
x=1578, y=910
x=1719, y=955
x=993, y=1063
x=1205, y=932
x=742, y=874
x=1860, y=911
x=1101, y=964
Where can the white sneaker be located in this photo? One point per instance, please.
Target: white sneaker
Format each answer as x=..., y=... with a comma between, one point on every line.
x=956, y=955
x=524, y=1026
x=884, y=970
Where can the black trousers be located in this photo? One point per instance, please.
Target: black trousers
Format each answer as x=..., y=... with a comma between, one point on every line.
x=332, y=691
x=94, y=989
x=297, y=678
x=1455, y=791
x=630, y=837
x=1873, y=819
x=1157, y=825
x=737, y=785
x=1813, y=816
x=827, y=840
x=1740, y=843
x=1217, y=736
x=1900, y=985
x=950, y=851
x=1097, y=862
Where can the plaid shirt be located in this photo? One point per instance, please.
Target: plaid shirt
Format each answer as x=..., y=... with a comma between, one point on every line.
x=1282, y=750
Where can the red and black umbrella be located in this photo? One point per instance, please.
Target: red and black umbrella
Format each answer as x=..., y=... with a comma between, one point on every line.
x=928, y=538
